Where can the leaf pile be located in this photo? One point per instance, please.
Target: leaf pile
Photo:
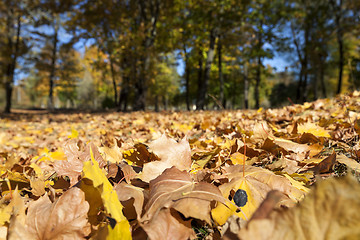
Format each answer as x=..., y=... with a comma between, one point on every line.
x=227, y=174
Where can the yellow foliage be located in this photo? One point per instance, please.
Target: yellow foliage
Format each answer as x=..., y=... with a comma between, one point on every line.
x=113, y=207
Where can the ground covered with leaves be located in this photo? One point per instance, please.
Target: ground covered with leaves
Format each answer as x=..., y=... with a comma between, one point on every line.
x=265, y=174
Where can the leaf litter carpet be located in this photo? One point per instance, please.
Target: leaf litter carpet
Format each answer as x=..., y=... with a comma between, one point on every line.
x=288, y=173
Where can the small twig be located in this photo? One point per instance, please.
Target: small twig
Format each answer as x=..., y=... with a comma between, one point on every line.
x=217, y=102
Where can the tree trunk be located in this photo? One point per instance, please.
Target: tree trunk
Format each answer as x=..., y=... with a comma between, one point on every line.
x=50, y=105
x=113, y=78
x=221, y=79
x=210, y=57
x=200, y=78
x=322, y=79
x=341, y=60
x=187, y=79
x=124, y=94
x=337, y=8
x=150, y=34
x=305, y=63
x=258, y=69
x=13, y=61
x=156, y=103
x=246, y=88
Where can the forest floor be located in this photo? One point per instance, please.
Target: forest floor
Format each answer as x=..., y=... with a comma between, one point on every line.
x=246, y=174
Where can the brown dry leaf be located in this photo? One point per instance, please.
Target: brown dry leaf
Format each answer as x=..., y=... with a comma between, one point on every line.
x=125, y=192
x=85, y=156
x=326, y=164
x=261, y=131
x=37, y=186
x=176, y=189
x=178, y=154
x=167, y=224
x=291, y=146
x=154, y=169
x=257, y=182
x=351, y=163
x=66, y=218
x=73, y=165
x=328, y=212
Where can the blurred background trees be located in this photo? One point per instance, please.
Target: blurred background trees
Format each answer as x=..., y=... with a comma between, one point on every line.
x=163, y=55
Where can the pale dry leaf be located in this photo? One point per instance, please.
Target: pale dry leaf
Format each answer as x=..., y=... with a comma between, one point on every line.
x=126, y=191
x=66, y=218
x=328, y=212
x=351, y=163
x=176, y=189
x=152, y=170
x=73, y=165
x=176, y=153
x=167, y=224
x=85, y=156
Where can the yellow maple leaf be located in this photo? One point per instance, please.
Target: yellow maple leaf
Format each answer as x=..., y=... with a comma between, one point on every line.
x=313, y=129
x=74, y=134
x=92, y=171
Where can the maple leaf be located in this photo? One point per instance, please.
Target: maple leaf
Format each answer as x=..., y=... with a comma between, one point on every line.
x=256, y=183
x=176, y=153
x=312, y=128
x=73, y=165
x=91, y=171
x=171, y=153
x=125, y=192
x=326, y=213
x=176, y=189
x=66, y=218
x=168, y=224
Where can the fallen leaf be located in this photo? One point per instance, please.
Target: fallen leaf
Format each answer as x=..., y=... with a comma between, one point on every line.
x=256, y=183
x=351, y=163
x=73, y=165
x=109, y=197
x=126, y=191
x=168, y=224
x=176, y=189
x=326, y=164
x=312, y=128
x=326, y=213
x=175, y=153
x=66, y=218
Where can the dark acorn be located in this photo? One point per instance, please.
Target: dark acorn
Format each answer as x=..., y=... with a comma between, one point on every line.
x=240, y=198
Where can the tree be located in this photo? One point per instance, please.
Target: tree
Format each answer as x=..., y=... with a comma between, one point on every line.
x=47, y=27
x=11, y=42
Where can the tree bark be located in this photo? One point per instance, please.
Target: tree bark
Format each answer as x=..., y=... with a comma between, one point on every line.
x=187, y=78
x=322, y=79
x=258, y=69
x=210, y=58
x=305, y=63
x=9, y=82
x=113, y=77
x=221, y=79
x=246, y=88
x=53, y=66
x=200, y=78
x=337, y=8
x=13, y=61
x=141, y=84
x=341, y=60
